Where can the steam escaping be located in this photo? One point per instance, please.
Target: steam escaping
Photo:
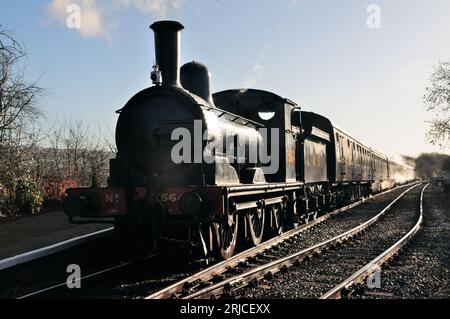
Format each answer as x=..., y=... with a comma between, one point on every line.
x=404, y=173
x=398, y=159
x=90, y=15
x=257, y=70
x=256, y=73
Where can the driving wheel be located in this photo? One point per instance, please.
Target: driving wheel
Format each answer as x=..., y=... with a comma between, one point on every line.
x=255, y=221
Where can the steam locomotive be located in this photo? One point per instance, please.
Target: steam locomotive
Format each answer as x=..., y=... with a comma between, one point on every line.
x=220, y=189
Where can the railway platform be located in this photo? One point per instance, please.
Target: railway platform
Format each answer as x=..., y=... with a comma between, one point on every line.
x=36, y=232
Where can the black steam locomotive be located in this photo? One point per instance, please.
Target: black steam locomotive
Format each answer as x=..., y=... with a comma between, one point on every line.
x=223, y=186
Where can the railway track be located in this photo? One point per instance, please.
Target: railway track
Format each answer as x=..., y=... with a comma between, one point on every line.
x=355, y=281
x=340, y=270
x=225, y=278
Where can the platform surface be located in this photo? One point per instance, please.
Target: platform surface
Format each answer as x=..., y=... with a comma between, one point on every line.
x=34, y=232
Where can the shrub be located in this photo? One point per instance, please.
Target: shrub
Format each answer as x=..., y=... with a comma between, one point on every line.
x=3, y=199
x=27, y=196
x=55, y=190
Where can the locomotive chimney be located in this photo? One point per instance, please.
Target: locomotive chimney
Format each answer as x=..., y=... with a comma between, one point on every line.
x=167, y=50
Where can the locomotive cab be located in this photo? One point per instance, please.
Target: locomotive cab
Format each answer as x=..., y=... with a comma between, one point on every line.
x=280, y=132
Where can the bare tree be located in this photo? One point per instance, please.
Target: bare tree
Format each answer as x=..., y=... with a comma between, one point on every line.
x=437, y=100
x=431, y=165
x=30, y=172
x=17, y=97
x=76, y=154
x=19, y=133
x=108, y=139
x=18, y=111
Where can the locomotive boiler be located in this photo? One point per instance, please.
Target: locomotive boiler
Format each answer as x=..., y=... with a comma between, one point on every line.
x=200, y=171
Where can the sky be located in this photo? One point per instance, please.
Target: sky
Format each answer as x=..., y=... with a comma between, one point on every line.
x=363, y=64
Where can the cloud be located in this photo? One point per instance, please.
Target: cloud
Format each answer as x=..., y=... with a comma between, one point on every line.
x=92, y=13
x=83, y=16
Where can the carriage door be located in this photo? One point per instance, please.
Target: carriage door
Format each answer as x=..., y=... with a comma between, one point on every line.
x=296, y=125
x=353, y=159
x=340, y=157
x=359, y=163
